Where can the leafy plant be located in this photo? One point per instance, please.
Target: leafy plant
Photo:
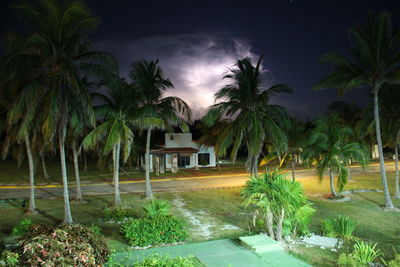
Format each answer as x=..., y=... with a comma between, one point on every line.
x=346, y=260
x=365, y=252
x=166, y=261
x=280, y=202
x=342, y=226
x=95, y=229
x=395, y=262
x=64, y=245
x=154, y=231
x=22, y=228
x=9, y=259
x=116, y=213
x=157, y=207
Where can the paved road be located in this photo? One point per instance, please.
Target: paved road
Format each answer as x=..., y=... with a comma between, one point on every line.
x=161, y=185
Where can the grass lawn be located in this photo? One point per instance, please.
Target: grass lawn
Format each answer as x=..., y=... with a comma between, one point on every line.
x=221, y=208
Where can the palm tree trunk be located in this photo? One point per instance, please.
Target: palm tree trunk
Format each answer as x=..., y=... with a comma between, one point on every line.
x=293, y=177
x=218, y=165
x=349, y=173
x=388, y=200
x=116, y=153
x=84, y=161
x=332, y=183
x=45, y=174
x=397, y=189
x=32, y=205
x=149, y=193
x=76, y=169
x=270, y=223
x=67, y=208
x=279, y=227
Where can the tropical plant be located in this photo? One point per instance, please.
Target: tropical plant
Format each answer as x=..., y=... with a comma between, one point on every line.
x=116, y=111
x=157, y=207
x=342, y=226
x=117, y=213
x=364, y=252
x=296, y=134
x=9, y=259
x=58, y=56
x=155, y=111
x=276, y=199
x=330, y=148
x=22, y=228
x=375, y=49
x=64, y=245
x=245, y=103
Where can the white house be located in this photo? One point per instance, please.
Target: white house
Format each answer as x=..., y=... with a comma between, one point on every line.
x=180, y=151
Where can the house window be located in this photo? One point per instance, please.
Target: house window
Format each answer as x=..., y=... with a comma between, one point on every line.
x=171, y=137
x=183, y=161
x=204, y=159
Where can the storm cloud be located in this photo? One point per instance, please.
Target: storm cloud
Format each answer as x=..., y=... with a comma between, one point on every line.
x=195, y=63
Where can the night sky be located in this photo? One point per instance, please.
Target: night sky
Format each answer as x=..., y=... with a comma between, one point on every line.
x=197, y=41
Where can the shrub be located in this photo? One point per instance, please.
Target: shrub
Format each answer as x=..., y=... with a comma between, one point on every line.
x=95, y=229
x=154, y=231
x=65, y=245
x=346, y=260
x=342, y=227
x=167, y=261
x=395, y=262
x=117, y=214
x=157, y=207
x=9, y=259
x=22, y=228
x=365, y=252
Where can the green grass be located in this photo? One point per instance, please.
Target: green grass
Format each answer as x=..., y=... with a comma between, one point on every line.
x=225, y=207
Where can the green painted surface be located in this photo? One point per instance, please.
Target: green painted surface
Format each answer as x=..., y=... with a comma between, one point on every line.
x=218, y=253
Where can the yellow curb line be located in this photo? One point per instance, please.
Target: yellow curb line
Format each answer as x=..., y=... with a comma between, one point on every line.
x=157, y=180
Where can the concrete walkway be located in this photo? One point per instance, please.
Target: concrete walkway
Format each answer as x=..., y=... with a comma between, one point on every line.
x=217, y=253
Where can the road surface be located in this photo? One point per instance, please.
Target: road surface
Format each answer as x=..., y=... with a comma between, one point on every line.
x=162, y=185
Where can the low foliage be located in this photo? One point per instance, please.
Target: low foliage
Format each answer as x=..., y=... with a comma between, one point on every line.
x=156, y=260
x=363, y=253
x=154, y=231
x=64, y=245
x=342, y=227
x=280, y=202
x=9, y=259
x=22, y=228
x=157, y=207
x=395, y=262
x=95, y=229
x=117, y=214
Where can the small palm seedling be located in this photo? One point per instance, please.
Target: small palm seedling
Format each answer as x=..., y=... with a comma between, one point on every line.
x=157, y=207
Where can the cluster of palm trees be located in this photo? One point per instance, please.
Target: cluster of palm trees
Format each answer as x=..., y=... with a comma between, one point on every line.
x=49, y=79
x=59, y=94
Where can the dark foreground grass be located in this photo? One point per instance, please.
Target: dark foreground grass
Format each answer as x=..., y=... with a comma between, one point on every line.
x=225, y=207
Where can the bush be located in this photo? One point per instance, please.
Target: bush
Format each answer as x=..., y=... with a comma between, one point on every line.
x=365, y=253
x=157, y=207
x=117, y=214
x=395, y=262
x=9, y=259
x=22, y=228
x=95, y=229
x=154, y=231
x=346, y=260
x=342, y=227
x=65, y=245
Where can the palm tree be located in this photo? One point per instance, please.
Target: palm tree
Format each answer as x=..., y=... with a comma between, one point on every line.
x=375, y=49
x=252, y=118
x=116, y=111
x=390, y=112
x=156, y=111
x=330, y=148
x=349, y=114
x=61, y=56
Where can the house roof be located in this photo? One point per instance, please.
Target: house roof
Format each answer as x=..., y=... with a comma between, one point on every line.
x=173, y=150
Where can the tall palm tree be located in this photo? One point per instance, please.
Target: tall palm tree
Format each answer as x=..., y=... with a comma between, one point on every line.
x=56, y=45
x=252, y=118
x=156, y=111
x=331, y=149
x=116, y=112
x=390, y=112
x=375, y=52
